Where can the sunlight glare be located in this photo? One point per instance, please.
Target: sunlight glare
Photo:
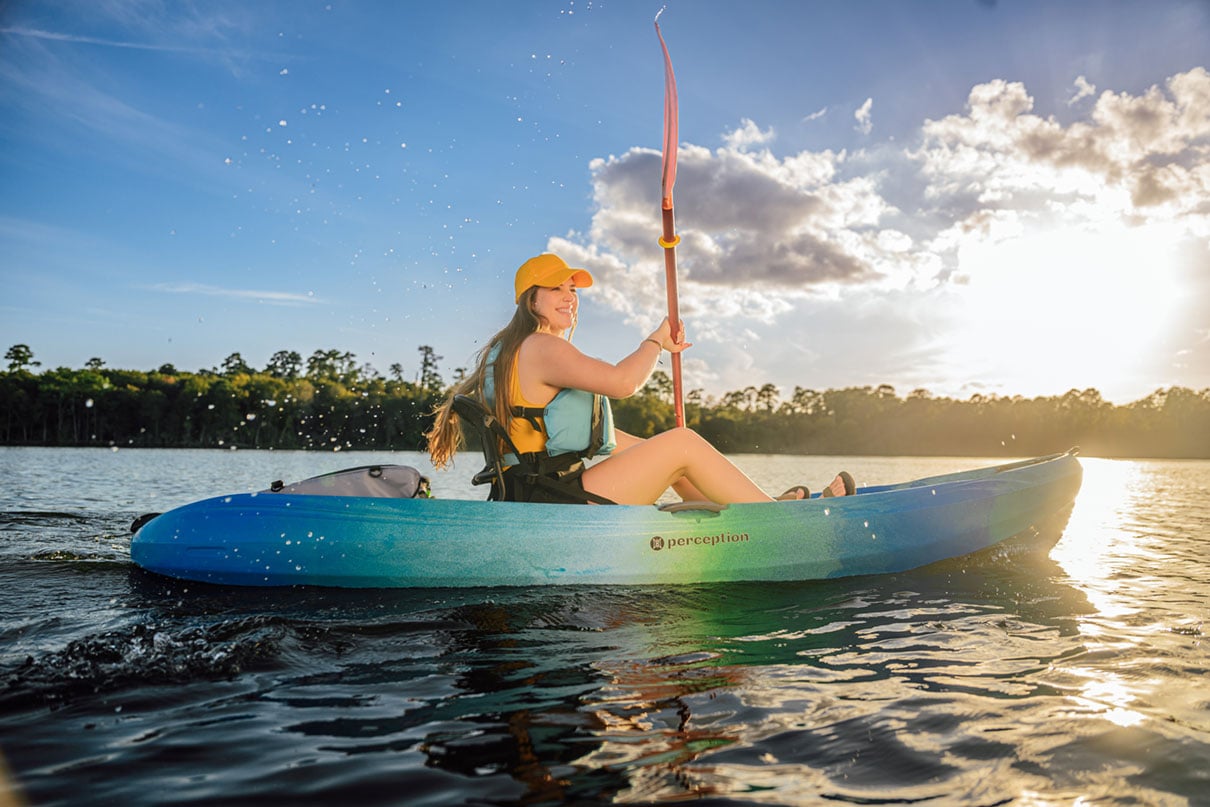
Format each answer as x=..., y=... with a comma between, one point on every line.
x=1094, y=537
x=1050, y=311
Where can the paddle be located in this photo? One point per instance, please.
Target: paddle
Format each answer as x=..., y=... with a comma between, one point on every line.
x=670, y=239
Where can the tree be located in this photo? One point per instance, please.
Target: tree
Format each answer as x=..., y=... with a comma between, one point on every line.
x=659, y=386
x=332, y=365
x=95, y=363
x=284, y=364
x=19, y=357
x=429, y=378
x=234, y=365
x=767, y=397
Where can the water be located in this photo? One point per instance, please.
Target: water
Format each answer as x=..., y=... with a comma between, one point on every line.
x=1025, y=675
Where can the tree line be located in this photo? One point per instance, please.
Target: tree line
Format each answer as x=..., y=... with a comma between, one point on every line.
x=331, y=402
x=327, y=402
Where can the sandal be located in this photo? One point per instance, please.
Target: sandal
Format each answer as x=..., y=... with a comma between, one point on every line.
x=792, y=494
x=850, y=487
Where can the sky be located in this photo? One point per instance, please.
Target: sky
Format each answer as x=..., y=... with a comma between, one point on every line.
x=1008, y=198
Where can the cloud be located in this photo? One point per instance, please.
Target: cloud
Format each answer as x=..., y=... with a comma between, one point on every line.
x=864, y=123
x=748, y=134
x=1138, y=157
x=812, y=223
x=1083, y=90
x=997, y=211
x=753, y=227
x=816, y=115
x=52, y=36
x=269, y=297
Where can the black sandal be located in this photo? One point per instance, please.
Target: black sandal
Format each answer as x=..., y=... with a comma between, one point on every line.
x=850, y=487
x=791, y=494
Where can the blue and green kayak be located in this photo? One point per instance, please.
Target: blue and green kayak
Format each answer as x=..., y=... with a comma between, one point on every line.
x=283, y=539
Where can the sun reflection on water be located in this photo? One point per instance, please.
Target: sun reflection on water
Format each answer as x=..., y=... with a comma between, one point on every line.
x=1101, y=551
x=1092, y=547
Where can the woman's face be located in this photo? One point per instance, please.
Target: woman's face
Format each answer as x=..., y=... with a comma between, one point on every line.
x=556, y=308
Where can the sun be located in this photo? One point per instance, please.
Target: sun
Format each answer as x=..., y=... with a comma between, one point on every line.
x=1051, y=310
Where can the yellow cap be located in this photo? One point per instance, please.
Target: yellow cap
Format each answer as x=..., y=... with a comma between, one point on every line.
x=548, y=270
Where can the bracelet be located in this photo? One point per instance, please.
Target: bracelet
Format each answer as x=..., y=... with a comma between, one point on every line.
x=654, y=342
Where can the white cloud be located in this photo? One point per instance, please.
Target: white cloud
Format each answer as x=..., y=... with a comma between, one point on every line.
x=748, y=134
x=1138, y=157
x=816, y=115
x=1083, y=90
x=865, y=124
x=270, y=297
x=53, y=36
x=753, y=227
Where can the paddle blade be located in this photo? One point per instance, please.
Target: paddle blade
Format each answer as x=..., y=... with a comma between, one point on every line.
x=670, y=124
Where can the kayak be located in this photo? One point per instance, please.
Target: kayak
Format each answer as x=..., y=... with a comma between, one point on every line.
x=285, y=539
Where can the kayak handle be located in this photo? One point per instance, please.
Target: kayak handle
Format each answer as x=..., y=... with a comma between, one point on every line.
x=684, y=507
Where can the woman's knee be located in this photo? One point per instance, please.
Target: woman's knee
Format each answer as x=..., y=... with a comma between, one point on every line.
x=684, y=443
x=680, y=436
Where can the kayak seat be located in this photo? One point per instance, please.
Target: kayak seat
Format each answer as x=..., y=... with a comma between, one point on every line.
x=491, y=435
x=535, y=478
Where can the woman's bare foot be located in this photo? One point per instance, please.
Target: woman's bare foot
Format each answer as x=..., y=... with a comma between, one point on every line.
x=794, y=494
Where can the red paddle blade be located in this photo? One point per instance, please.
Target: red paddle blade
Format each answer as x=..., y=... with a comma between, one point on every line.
x=670, y=124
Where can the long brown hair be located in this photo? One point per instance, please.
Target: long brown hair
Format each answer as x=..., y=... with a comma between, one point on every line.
x=445, y=438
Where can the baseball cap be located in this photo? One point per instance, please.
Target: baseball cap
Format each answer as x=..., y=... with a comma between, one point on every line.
x=548, y=270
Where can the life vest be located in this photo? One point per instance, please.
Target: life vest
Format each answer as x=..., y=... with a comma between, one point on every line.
x=552, y=442
x=574, y=422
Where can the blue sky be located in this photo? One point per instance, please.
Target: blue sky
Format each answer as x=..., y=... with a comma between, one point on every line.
x=965, y=197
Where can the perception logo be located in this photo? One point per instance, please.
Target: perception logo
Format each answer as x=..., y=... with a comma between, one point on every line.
x=659, y=542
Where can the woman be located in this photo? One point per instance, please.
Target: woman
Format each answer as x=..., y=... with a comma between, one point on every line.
x=533, y=359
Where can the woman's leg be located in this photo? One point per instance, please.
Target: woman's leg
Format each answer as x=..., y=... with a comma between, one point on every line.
x=644, y=470
x=683, y=487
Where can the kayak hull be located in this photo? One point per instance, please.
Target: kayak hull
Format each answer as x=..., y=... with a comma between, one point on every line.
x=271, y=539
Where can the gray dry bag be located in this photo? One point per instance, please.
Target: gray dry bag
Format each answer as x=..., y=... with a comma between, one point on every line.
x=378, y=481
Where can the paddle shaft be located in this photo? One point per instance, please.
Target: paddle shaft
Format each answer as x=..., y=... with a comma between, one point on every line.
x=674, y=316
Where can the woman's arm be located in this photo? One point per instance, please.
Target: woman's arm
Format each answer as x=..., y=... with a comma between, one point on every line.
x=549, y=364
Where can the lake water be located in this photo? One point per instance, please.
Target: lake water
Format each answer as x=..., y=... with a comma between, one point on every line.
x=1072, y=673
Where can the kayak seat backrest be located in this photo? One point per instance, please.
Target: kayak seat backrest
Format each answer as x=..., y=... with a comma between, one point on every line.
x=491, y=436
